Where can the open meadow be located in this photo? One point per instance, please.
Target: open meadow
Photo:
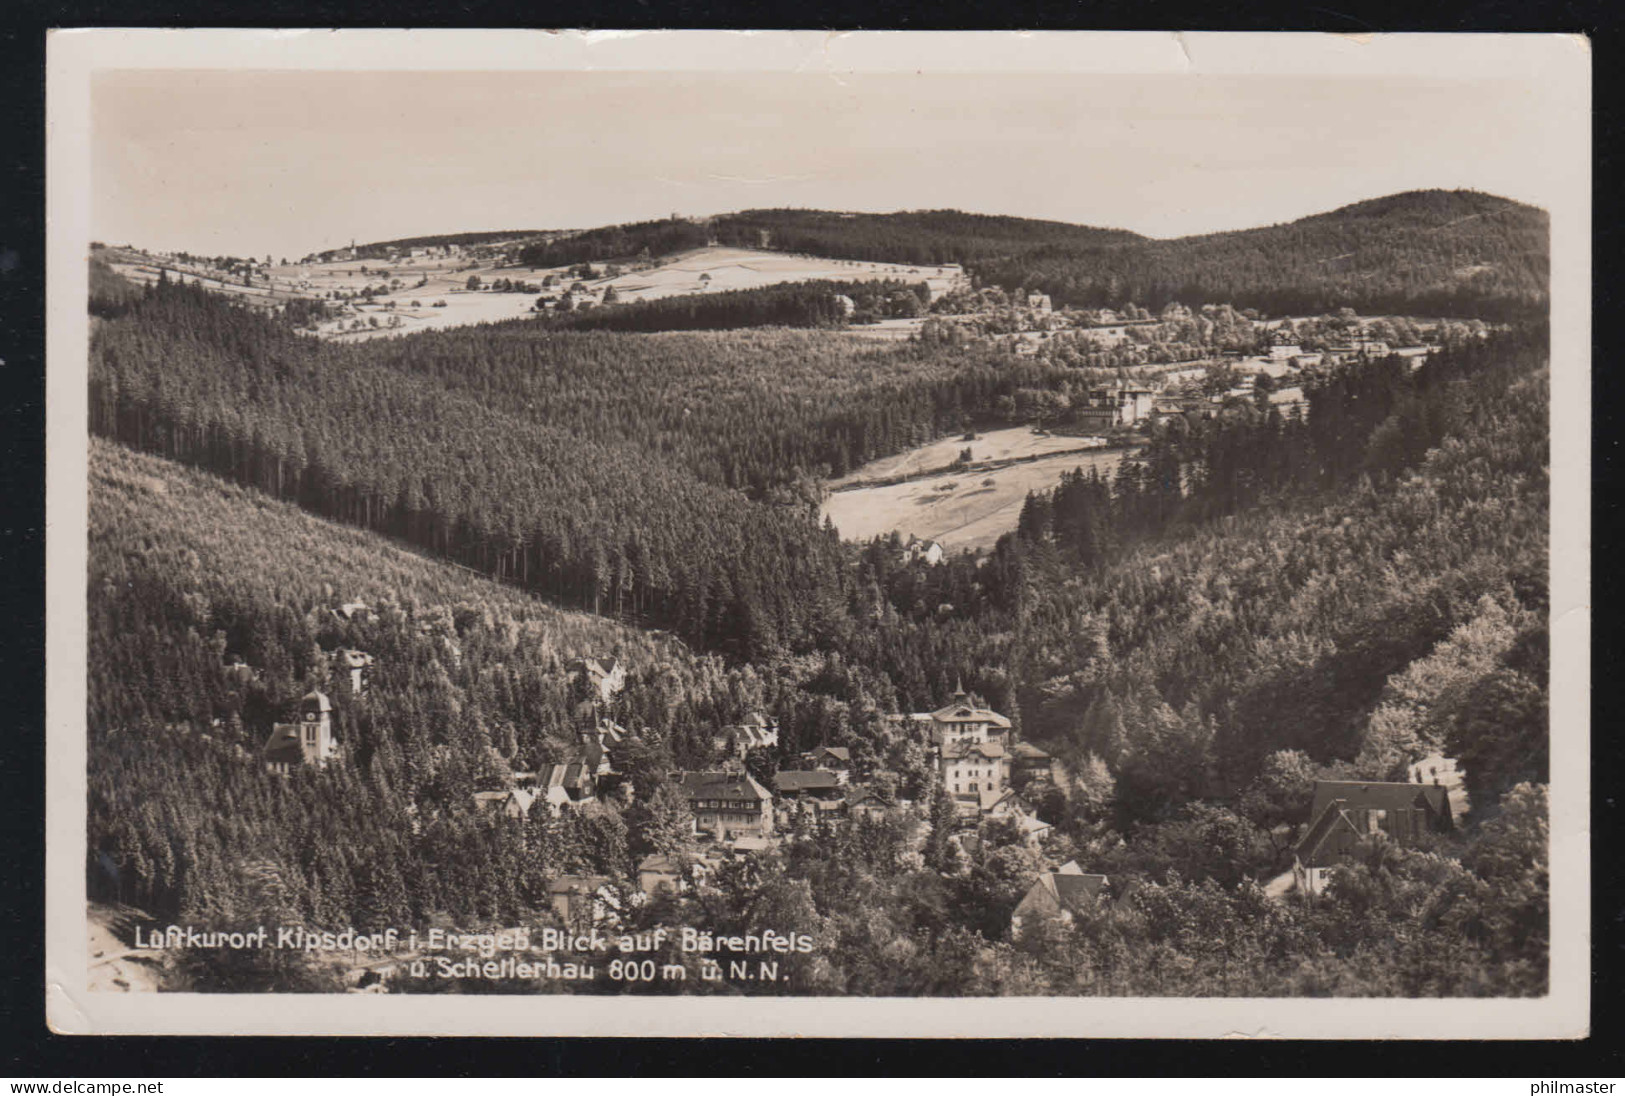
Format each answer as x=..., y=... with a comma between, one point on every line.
x=429, y=293
x=1011, y=443
x=965, y=510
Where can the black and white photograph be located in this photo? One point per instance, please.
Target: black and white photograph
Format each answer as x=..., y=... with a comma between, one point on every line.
x=1065, y=520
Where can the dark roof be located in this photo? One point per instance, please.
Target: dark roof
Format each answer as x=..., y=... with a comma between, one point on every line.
x=1312, y=851
x=792, y=780
x=840, y=753
x=1380, y=795
x=315, y=699
x=721, y=785
x=577, y=884
x=963, y=712
x=283, y=744
x=660, y=862
x=565, y=776
x=1072, y=888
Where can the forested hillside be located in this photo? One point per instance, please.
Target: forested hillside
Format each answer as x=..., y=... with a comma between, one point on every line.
x=443, y=440
x=1255, y=602
x=926, y=238
x=932, y=237
x=1452, y=253
x=1371, y=628
x=1256, y=584
x=792, y=304
x=190, y=574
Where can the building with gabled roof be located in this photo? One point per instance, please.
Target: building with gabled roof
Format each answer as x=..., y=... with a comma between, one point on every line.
x=816, y=783
x=755, y=732
x=862, y=802
x=659, y=871
x=604, y=677
x=931, y=552
x=960, y=720
x=581, y=900
x=1030, y=762
x=727, y=804
x=1283, y=345
x=1346, y=812
x=511, y=802
x=575, y=778
x=833, y=758
x=1057, y=895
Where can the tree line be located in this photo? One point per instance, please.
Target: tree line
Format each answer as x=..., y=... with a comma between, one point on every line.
x=792, y=304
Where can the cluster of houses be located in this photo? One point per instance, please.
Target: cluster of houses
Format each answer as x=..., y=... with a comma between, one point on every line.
x=1346, y=817
x=978, y=762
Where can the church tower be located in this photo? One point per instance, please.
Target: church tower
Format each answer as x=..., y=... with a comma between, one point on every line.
x=316, y=727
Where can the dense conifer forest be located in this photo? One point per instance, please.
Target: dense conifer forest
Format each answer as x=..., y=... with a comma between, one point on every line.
x=795, y=304
x=1436, y=252
x=1450, y=253
x=1253, y=602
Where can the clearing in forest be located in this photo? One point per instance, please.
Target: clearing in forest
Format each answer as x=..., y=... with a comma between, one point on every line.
x=964, y=510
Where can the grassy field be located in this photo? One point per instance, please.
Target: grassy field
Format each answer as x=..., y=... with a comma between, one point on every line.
x=712, y=269
x=1012, y=443
x=738, y=268
x=965, y=510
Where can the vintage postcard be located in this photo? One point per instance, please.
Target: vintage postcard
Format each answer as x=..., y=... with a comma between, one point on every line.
x=782, y=533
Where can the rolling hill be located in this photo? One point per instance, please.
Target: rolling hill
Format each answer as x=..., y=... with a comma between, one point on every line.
x=1458, y=252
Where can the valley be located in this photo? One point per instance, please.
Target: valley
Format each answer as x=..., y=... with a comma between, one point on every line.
x=1235, y=608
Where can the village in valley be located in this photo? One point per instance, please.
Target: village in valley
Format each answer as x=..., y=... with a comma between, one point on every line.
x=819, y=602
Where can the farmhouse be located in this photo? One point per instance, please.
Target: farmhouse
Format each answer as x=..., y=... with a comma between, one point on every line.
x=1345, y=813
x=728, y=804
x=307, y=742
x=929, y=551
x=1057, y=895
